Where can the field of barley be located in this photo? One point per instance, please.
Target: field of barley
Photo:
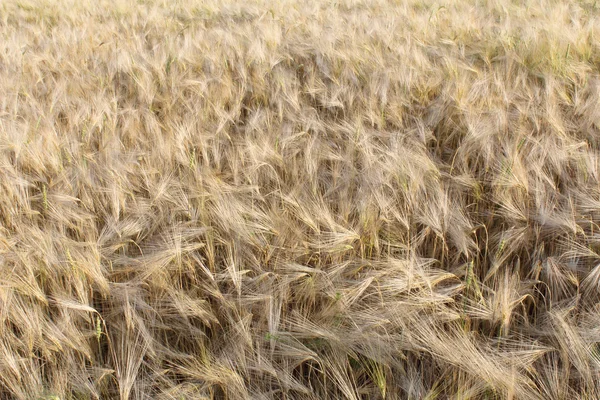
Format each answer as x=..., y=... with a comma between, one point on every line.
x=299, y=199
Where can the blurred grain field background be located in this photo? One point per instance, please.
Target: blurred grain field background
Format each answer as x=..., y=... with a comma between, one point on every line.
x=281, y=199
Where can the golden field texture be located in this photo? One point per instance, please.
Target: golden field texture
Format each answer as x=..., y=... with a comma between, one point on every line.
x=299, y=199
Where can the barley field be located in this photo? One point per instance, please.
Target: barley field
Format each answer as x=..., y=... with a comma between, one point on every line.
x=286, y=199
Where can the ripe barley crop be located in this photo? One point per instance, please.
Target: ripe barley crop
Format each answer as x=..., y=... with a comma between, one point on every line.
x=284, y=199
